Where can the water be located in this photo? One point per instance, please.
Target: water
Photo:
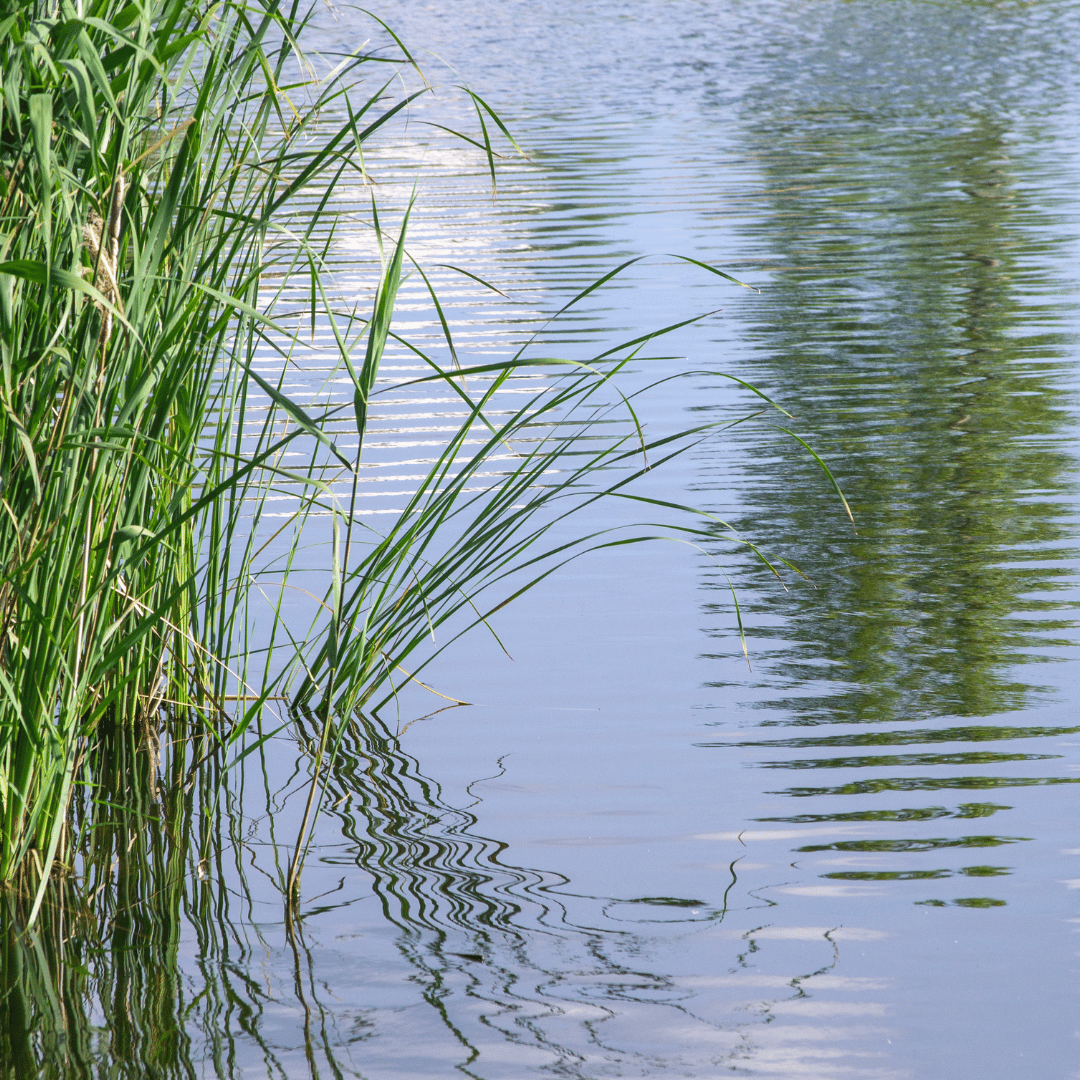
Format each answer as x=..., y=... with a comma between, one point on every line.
x=638, y=855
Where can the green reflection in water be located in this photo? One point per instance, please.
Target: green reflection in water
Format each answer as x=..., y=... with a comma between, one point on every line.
x=973, y=757
x=929, y=783
x=916, y=875
x=667, y=901
x=907, y=735
x=918, y=318
x=887, y=875
x=916, y=845
x=925, y=813
x=96, y=989
x=966, y=902
x=914, y=325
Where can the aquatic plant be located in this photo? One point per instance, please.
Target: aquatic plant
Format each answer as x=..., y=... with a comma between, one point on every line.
x=153, y=159
x=148, y=153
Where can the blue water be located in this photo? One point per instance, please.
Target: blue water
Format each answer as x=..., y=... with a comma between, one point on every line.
x=854, y=857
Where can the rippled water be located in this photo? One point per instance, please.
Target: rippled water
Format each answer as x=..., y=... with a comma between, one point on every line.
x=639, y=856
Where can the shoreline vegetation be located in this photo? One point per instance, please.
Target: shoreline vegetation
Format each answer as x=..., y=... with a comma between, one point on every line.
x=149, y=156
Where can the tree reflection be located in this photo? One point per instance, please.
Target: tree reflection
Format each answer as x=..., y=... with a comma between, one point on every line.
x=914, y=327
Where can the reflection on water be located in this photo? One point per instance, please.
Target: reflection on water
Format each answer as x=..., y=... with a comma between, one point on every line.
x=896, y=177
x=911, y=198
x=173, y=958
x=919, y=333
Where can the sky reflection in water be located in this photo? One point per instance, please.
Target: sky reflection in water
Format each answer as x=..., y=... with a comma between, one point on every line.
x=634, y=888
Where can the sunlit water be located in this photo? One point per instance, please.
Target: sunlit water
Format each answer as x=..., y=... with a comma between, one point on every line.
x=639, y=856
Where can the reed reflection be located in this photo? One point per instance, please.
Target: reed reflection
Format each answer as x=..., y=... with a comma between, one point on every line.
x=164, y=953
x=503, y=954
x=98, y=987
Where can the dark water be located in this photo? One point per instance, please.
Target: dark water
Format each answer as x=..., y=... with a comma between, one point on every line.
x=855, y=858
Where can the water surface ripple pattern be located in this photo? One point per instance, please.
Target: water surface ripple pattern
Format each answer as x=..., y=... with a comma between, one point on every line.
x=854, y=860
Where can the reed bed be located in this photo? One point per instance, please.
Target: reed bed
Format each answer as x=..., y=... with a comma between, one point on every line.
x=150, y=154
x=148, y=151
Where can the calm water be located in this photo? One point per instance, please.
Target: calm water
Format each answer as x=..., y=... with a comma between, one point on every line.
x=639, y=856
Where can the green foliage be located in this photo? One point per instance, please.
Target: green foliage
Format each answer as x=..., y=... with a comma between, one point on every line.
x=145, y=151
x=151, y=154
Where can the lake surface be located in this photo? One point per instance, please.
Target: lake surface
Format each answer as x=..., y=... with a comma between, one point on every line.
x=637, y=854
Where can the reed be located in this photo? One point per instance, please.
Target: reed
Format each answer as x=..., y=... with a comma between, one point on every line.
x=151, y=155
x=148, y=151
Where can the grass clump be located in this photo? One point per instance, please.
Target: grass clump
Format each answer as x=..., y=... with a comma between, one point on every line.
x=146, y=152
x=151, y=156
